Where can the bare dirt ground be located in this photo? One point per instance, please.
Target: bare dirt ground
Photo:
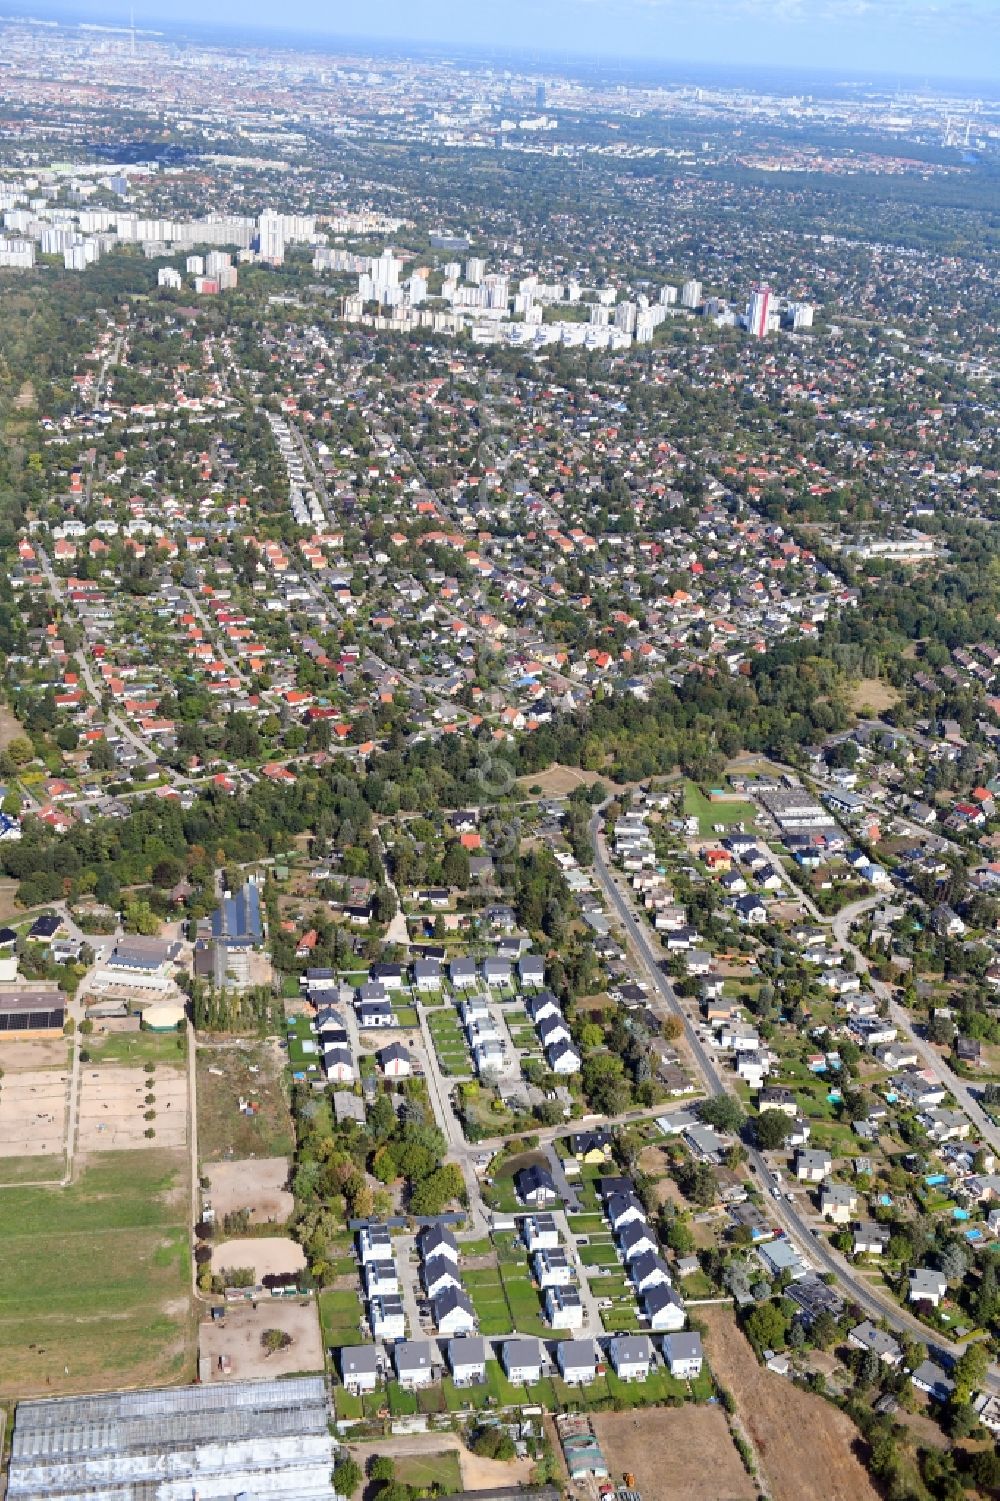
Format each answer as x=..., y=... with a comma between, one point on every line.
x=33, y=1112
x=873, y=693
x=702, y=1462
x=43, y=1052
x=269, y=1254
x=239, y=1334
x=10, y=729
x=113, y=1107
x=558, y=781
x=805, y=1445
x=257, y=1184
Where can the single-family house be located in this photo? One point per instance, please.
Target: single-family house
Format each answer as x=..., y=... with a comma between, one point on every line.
x=453, y=1313
x=577, y=1361
x=359, y=1368
x=631, y=1356
x=467, y=1358
x=812, y=1166
x=522, y=1360
x=413, y=1359
x=683, y=1355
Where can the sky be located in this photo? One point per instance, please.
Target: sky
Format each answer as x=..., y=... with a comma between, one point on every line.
x=922, y=38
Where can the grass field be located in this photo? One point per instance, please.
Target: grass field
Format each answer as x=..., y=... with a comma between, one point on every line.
x=222, y=1130
x=95, y=1279
x=339, y=1313
x=425, y=1470
x=31, y=1170
x=697, y=805
x=137, y=1048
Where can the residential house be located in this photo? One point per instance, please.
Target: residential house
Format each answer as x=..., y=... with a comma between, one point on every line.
x=927, y=1286
x=631, y=1355
x=522, y=1361
x=453, y=1313
x=563, y=1307
x=577, y=1361
x=467, y=1358
x=683, y=1355
x=359, y=1368
x=664, y=1308
x=812, y=1166
x=413, y=1359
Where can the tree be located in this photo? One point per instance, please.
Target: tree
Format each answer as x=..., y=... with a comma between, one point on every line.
x=381, y=1467
x=493, y=1443
x=771, y=1128
x=767, y=1327
x=969, y=1372
x=723, y=1112
x=273, y=1340
x=347, y=1477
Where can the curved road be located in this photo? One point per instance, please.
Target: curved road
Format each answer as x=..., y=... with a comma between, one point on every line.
x=815, y=1248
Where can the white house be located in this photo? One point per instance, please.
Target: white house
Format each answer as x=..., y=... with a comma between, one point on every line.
x=359, y=1368
x=522, y=1360
x=539, y=1232
x=394, y=1061
x=631, y=1356
x=563, y=1307
x=414, y=1363
x=453, y=1312
x=374, y=1244
x=683, y=1355
x=812, y=1166
x=927, y=1286
x=387, y=1318
x=467, y=1358
x=577, y=1361
x=552, y=1268
x=664, y=1308
x=563, y=1058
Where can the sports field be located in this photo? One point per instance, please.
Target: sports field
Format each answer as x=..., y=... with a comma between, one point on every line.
x=95, y=1279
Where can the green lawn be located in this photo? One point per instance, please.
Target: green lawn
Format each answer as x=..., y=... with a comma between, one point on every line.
x=136, y=1047
x=96, y=1278
x=599, y=1255
x=339, y=1313
x=425, y=1470
x=708, y=814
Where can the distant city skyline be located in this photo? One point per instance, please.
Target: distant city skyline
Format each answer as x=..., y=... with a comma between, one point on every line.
x=906, y=38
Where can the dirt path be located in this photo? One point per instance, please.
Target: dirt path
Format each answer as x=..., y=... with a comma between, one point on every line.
x=806, y=1446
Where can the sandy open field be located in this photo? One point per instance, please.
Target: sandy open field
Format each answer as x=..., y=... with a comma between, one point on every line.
x=112, y=1113
x=269, y=1254
x=675, y=1453
x=777, y=1415
x=240, y=1339
x=41, y=1052
x=257, y=1184
x=33, y=1107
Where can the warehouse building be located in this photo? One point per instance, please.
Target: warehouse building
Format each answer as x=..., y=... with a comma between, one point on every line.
x=265, y=1439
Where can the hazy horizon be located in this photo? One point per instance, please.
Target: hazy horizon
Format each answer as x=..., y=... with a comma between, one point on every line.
x=916, y=39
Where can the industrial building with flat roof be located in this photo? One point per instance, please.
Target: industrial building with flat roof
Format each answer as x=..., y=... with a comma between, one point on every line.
x=265, y=1439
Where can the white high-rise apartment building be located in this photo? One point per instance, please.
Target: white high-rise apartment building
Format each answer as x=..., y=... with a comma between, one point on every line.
x=691, y=294
x=759, y=311
x=271, y=237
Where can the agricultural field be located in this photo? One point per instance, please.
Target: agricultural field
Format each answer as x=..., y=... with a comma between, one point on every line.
x=95, y=1279
x=252, y=1072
